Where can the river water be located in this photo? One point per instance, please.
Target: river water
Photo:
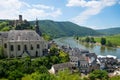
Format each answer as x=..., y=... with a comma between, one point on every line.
x=99, y=50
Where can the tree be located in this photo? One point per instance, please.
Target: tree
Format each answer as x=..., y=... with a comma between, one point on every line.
x=47, y=37
x=92, y=40
x=42, y=69
x=54, y=59
x=109, y=44
x=1, y=53
x=15, y=75
x=77, y=38
x=87, y=39
x=64, y=57
x=43, y=76
x=98, y=74
x=103, y=41
x=7, y=28
x=115, y=78
x=66, y=75
x=54, y=50
x=26, y=66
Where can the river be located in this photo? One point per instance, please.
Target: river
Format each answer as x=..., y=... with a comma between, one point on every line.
x=99, y=50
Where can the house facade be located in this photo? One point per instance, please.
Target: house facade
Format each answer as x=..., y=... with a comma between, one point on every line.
x=61, y=67
x=84, y=60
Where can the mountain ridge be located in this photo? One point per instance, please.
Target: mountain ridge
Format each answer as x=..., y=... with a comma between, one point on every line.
x=110, y=31
x=64, y=28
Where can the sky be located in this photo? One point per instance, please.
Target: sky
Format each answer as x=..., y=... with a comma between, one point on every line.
x=95, y=14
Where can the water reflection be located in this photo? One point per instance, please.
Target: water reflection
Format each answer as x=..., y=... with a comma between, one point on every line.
x=111, y=49
x=102, y=49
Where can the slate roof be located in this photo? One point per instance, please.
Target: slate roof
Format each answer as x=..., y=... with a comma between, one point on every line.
x=62, y=66
x=18, y=35
x=3, y=35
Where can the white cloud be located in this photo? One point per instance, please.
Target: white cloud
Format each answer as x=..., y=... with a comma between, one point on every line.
x=76, y=3
x=92, y=7
x=40, y=6
x=10, y=9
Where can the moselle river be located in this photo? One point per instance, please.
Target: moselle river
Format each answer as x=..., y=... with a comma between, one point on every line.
x=99, y=50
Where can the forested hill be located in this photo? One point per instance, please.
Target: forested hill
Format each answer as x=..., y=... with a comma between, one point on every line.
x=62, y=29
x=110, y=31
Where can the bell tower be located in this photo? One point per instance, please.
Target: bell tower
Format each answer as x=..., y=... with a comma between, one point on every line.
x=37, y=29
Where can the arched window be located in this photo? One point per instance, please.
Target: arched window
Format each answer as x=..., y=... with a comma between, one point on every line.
x=36, y=53
x=25, y=47
x=12, y=48
x=38, y=46
x=18, y=47
x=5, y=45
x=31, y=47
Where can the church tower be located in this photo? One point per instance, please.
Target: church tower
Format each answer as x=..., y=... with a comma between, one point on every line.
x=37, y=29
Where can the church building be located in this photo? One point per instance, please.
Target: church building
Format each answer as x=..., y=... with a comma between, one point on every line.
x=20, y=43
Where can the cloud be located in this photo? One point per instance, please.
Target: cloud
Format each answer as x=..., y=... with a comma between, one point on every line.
x=92, y=7
x=10, y=9
x=41, y=6
x=76, y=3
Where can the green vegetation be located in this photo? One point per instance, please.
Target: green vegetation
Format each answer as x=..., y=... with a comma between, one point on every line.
x=103, y=41
x=46, y=37
x=67, y=75
x=87, y=39
x=4, y=26
x=115, y=78
x=98, y=75
x=1, y=53
x=61, y=75
x=110, y=31
x=62, y=29
x=111, y=41
x=15, y=69
x=25, y=25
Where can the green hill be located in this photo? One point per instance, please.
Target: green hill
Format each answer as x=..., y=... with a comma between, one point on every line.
x=62, y=29
x=110, y=31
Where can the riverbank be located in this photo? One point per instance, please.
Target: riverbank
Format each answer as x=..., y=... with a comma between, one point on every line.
x=109, y=41
x=99, y=50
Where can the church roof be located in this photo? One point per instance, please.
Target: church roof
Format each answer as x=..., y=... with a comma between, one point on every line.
x=3, y=35
x=19, y=35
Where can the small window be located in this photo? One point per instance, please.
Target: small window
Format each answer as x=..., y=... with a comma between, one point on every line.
x=25, y=47
x=5, y=45
x=12, y=48
x=38, y=46
x=36, y=53
x=18, y=47
x=31, y=47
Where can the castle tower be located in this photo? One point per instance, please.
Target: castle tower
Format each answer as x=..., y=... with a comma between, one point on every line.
x=37, y=28
x=20, y=18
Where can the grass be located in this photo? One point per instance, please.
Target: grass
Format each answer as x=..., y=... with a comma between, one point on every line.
x=114, y=39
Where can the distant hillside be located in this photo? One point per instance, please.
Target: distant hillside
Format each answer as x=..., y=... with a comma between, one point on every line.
x=110, y=31
x=62, y=29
